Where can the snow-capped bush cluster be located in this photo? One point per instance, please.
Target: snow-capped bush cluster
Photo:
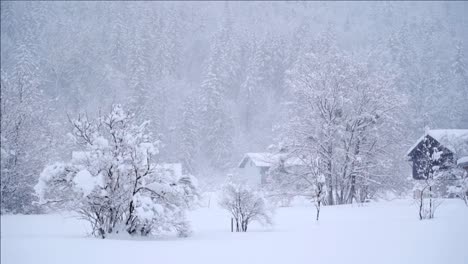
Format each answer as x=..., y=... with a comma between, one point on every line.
x=459, y=183
x=113, y=182
x=460, y=189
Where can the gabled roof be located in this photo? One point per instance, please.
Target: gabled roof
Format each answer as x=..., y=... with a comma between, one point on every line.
x=266, y=159
x=174, y=168
x=451, y=139
x=80, y=155
x=262, y=159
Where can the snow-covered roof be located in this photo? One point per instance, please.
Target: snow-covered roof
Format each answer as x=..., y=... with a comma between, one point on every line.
x=175, y=168
x=449, y=138
x=80, y=155
x=266, y=159
x=463, y=161
x=262, y=159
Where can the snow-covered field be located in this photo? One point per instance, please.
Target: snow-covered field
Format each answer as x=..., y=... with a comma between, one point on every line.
x=384, y=232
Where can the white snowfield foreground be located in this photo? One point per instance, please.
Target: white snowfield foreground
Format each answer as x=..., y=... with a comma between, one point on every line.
x=384, y=232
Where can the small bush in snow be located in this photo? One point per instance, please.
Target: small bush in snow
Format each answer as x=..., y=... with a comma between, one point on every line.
x=113, y=182
x=245, y=205
x=460, y=189
x=459, y=183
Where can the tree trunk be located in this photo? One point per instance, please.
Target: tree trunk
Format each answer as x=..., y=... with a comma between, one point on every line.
x=330, y=176
x=420, y=207
x=102, y=233
x=431, y=214
x=318, y=210
x=352, y=190
x=245, y=223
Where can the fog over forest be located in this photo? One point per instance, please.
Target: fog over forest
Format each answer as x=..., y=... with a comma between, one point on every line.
x=217, y=80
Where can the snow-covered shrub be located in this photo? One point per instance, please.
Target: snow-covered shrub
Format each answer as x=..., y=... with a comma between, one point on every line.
x=459, y=184
x=25, y=138
x=113, y=182
x=245, y=205
x=460, y=190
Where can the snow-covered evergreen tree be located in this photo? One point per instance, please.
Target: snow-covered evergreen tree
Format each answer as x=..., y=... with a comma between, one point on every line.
x=189, y=129
x=217, y=124
x=25, y=133
x=458, y=90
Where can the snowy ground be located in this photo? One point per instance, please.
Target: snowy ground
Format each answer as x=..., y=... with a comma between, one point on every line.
x=384, y=232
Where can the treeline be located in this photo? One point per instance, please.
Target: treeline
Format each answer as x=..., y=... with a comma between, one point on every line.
x=217, y=79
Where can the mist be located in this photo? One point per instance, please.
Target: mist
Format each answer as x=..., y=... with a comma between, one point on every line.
x=323, y=98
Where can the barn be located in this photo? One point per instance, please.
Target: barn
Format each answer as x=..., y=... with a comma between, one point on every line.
x=437, y=148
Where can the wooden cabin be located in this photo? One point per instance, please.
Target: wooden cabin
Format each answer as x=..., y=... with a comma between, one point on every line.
x=437, y=149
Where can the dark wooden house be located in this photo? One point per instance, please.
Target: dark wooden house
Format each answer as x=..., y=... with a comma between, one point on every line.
x=437, y=149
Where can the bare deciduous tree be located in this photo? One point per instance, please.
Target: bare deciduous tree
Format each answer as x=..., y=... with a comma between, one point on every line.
x=343, y=113
x=245, y=206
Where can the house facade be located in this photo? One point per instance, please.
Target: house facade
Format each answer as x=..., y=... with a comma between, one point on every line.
x=437, y=149
x=254, y=167
x=463, y=163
